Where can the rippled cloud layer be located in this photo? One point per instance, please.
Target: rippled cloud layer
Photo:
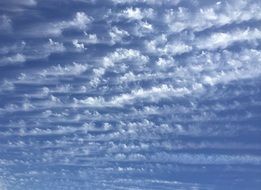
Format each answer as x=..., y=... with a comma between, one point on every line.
x=130, y=94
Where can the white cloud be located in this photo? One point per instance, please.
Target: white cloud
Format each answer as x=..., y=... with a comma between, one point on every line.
x=6, y=86
x=17, y=5
x=79, y=46
x=208, y=159
x=82, y=43
x=24, y=52
x=67, y=70
x=122, y=54
x=86, y=1
x=44, y=51
x=153, y=94
x=224, y=39
x=80, y=21
x=150, y=2
x=244, y=65
x=176, y=48
x=90, y=101
x=122, y=100
x=213, y=16
x=117, y=35
x=53, y=46
x=91, y=38
x=134, y=13
x=14, y=48
x=12, y=60
x=122, y=59
x=162, y=46
x=142, y=28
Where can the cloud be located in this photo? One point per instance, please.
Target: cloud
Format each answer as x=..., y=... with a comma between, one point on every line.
x=80, y=21
x=216, y=15
x=24, y=3
x=136, y=88
x=46, y=76
x=82, y=43
x=12, y=60
x=152, y=95
x=162, y=46
x=2, y=185
x=209, y=159
x=67, y=70
x=53, y=47
x=13, y=48
x=134, y=13
x=122, y=54
x=223, y=40
x=241, y=66
x=121, y=58
x=150, y=2
x=117, y=35
x=79, y=46
x=5, y=24
x=7, y=86
x=23, y=52
x=16, y=5
x=142, y=28
x=90, y=39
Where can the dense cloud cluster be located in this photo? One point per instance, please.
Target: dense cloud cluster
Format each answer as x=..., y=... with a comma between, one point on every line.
x=130, y=94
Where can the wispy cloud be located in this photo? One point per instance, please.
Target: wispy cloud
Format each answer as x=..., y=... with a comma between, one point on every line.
x=80, y=21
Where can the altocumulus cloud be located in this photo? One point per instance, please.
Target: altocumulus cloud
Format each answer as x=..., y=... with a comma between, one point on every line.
x=130, y=94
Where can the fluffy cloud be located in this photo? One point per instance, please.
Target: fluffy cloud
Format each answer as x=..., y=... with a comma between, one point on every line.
x=91, y=39
x=79, y=46
x=137, y=13
x=162, y=46
x=117, y=35
x=125, y=55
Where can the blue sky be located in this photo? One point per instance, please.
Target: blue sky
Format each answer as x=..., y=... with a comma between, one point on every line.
x=130, y=95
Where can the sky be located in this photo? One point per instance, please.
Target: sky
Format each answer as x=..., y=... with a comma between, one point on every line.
x=130, y=95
